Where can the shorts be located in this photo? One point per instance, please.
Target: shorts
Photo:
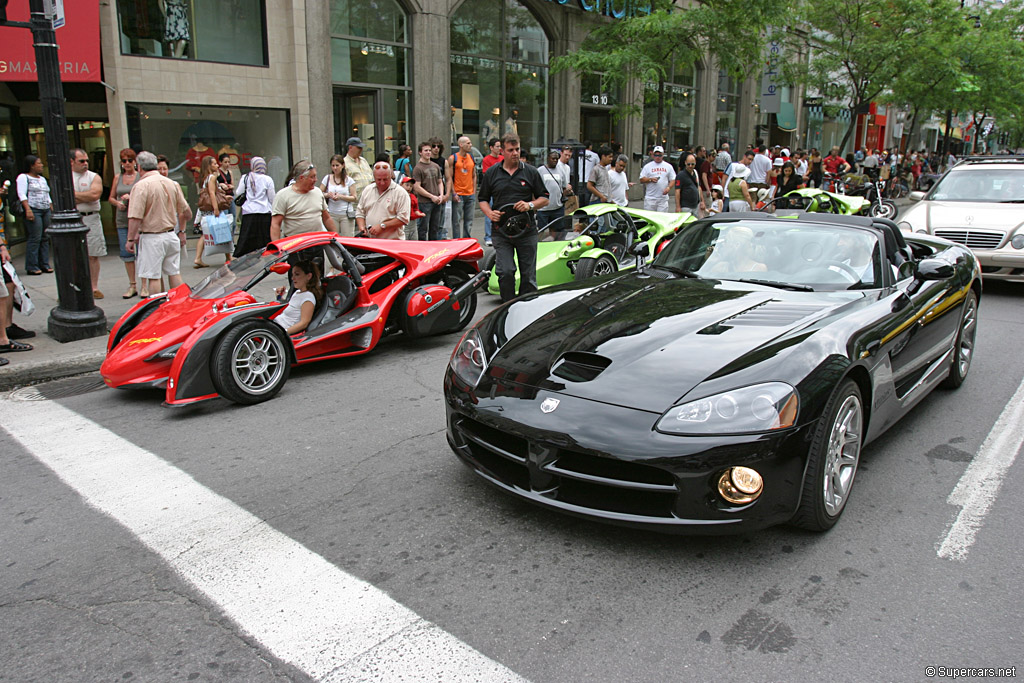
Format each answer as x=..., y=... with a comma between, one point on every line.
x=95, y=242
x=656, y=204
x=158, y=255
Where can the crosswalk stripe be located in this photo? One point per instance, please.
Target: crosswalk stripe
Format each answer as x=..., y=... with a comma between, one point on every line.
x=306, y=611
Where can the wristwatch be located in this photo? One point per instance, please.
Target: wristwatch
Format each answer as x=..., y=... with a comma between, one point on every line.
x=532, y=207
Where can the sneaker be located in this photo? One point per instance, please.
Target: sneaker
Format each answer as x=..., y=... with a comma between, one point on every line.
x=487, y=243
x=15, y=332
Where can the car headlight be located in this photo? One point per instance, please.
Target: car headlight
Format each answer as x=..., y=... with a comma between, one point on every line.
x=1018, y=241
x=757, y=408
x=469, y=360
x=905, y=226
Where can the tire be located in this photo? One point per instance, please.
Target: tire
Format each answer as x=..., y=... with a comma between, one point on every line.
x=883, y=209
x=963, y=347
x=453, y=278
x=587, y=268
x=251, y=362
x=832, y=460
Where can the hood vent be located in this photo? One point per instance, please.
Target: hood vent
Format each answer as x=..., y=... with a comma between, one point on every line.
x=771, y=313
x=580, y=366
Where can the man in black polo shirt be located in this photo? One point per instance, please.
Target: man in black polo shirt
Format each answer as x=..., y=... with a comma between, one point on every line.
x=513, y=182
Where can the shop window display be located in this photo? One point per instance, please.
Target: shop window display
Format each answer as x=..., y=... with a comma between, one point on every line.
x=188, y=133
x=228, y=31
x=679, y=106
x=499, y=76
x=726, y=126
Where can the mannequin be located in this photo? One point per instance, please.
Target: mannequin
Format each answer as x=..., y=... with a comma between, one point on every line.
x=512, y=123
x=176, y=28
x=194, y=158
x=490, y=128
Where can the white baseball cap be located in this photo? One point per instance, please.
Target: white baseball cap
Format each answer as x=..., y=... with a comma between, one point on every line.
x=658, y=148
x=785, y=151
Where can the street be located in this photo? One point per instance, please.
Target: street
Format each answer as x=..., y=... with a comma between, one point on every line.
x=330, y=534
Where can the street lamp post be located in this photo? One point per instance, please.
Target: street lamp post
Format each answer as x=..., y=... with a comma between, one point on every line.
x=76, y=315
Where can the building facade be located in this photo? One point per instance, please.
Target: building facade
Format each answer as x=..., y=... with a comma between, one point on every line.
x=292, y=79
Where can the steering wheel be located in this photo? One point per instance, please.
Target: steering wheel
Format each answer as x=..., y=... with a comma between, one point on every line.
x=509, y=213
x=846, y=269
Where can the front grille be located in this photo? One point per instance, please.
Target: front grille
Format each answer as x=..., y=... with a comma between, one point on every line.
x=593, y=482
x=974, y=239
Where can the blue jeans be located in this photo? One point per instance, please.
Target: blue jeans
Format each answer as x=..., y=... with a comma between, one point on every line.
x=506, y=251
x=428, y=225
x=462, y=214
x=37, y=244
x=122, y=241
x=545, y=217
x=487, y=225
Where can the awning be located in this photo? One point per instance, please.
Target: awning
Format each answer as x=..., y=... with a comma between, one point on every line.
x=786, y=118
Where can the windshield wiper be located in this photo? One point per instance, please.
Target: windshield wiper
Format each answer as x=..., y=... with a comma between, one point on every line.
x=681, y=272
x=779, y=285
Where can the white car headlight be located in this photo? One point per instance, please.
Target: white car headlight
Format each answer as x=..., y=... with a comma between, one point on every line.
x=469, y=360
x=757, y=408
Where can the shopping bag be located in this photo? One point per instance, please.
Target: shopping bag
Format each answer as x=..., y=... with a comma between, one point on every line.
x=220, y=228
x=210, y=246
x=22, y=301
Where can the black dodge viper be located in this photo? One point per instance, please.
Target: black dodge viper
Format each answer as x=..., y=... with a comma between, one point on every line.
x=728, y=384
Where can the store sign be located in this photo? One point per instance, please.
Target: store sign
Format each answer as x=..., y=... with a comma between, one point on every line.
x=616, y=9
x=771, y=78
x=78, y=40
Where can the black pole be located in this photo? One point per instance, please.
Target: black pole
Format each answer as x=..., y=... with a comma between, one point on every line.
x=76, y=315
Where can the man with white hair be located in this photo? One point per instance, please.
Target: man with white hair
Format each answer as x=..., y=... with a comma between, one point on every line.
x=384, y=207
x=156, y=208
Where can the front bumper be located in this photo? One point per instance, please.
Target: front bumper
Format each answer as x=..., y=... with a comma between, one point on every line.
x=607, y=463
x=1006, y=263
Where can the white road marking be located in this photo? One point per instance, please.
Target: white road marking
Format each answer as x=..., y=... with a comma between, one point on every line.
x=306, y=611
x=977, y=489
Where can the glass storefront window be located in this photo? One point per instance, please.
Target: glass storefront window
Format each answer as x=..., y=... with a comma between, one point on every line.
x=228, y=32
x=187, y=133
x=679, y=107
x=375, y=19
x=727, y=111
x=9, y=169
x=360, y=61
x=499, y=75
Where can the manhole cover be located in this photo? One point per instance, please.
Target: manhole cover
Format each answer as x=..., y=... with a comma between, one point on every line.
x=61, y=388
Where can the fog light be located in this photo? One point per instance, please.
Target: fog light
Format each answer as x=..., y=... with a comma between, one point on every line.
x=1018, y=241
x=740, y=485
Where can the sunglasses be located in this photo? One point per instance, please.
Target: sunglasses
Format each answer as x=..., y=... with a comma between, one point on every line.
x=691, y=164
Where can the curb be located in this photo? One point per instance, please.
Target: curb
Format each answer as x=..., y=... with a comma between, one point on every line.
x=21, y=374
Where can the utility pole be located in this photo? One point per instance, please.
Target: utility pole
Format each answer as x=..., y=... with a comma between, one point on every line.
x=76, y=315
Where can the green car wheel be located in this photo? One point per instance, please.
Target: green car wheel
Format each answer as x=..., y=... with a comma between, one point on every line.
x=587, y=268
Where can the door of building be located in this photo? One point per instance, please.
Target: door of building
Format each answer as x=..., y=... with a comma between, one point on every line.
x=356, y=115
x=596, y=126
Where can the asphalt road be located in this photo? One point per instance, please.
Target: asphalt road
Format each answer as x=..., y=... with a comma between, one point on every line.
x=351, y=462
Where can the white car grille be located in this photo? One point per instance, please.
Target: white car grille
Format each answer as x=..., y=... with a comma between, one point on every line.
x=974, y=239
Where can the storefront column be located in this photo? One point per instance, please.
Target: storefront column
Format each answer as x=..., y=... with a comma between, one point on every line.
x=747, y=116
x=431, y=103
x=564, y=93
x=321, y=106
x=707, y=105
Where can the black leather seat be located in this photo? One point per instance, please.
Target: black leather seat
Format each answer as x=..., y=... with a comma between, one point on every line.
x=339, y=295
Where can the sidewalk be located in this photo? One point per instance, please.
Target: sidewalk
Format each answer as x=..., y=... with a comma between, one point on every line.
x=50, y=359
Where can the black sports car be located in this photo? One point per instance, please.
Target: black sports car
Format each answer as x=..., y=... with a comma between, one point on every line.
x=728, y=385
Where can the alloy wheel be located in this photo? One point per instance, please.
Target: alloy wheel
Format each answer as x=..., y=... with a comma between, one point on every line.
x=842, y=455
x=258, y=361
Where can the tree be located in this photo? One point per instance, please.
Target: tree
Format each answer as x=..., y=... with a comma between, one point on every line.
x=643, y=47
x=858, y=48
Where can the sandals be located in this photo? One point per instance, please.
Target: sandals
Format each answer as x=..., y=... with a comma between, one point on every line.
x=13, y=346
x=47, y=270
x=34, y=272
x=132, y=292
x=199, y=264
x=3, y=362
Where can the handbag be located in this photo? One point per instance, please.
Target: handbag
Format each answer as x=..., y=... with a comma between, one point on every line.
x=217, y=229
x=571, y=204
x=22, y=301
x=240, y=199
x=223, y=202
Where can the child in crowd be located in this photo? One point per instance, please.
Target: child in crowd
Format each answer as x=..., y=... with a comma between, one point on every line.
x=717, y=200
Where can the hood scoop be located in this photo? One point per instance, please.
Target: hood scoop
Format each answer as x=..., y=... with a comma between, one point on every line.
x=580, y=366
x=771, y=313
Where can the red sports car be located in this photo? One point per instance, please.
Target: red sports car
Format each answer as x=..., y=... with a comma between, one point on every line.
x=220, y=339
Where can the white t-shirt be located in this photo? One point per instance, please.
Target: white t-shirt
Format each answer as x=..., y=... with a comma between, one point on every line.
x=588, y=161
x=555, y=183
x=759, y=168
x=801, y=168
x=665, y=174
x=292, y=313
x=339, y=206
x=619, y=186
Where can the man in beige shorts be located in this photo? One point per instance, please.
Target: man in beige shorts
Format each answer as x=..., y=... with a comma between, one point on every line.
x=88, y=189
x=155, y=210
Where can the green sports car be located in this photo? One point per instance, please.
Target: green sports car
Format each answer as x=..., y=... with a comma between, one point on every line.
x=594, y=241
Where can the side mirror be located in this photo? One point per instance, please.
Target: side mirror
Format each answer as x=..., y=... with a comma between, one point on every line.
x=281, y=268
x=916, y=196
x=640, y=249
x=935, y=269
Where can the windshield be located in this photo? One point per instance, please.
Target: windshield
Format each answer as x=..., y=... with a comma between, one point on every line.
x=781, y=252
x=234, y=276
x=980, y=184
x=565, y=228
